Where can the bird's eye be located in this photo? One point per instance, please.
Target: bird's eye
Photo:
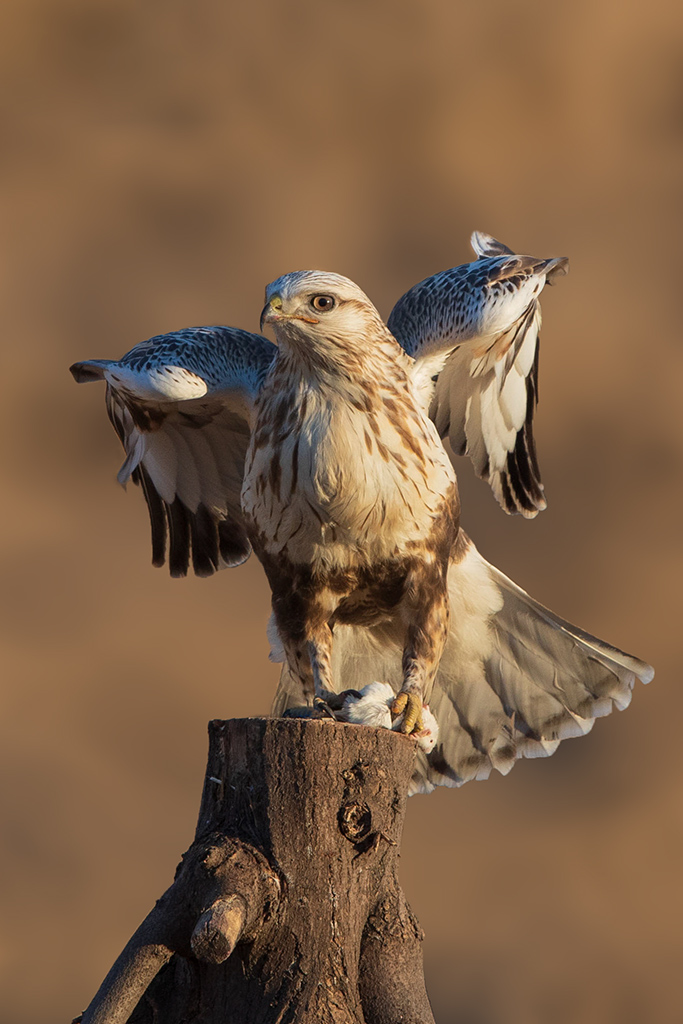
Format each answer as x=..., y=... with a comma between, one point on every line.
x=323, y=303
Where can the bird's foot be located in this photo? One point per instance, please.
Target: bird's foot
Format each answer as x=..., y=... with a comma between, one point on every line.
x=321, y=709
x=374, y=706
x=330, y=705
x=410, y=706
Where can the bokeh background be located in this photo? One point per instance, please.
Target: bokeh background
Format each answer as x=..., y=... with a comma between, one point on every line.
x=160, y=162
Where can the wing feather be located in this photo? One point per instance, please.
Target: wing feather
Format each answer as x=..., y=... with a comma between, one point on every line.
x=473, y=332
x=178, y=537
x=157, y=515
x=181, y=406
x=160, y=457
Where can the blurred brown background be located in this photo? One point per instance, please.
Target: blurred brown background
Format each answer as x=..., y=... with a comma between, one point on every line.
x=160, y=163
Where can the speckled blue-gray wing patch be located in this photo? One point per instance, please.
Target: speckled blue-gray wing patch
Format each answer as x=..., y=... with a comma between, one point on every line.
x=474, y=332
x=180, y=404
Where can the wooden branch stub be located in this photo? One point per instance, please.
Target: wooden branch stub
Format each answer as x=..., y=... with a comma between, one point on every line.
x=287, y=907
x=224, y=889
x=218, y=930
x=218, y=873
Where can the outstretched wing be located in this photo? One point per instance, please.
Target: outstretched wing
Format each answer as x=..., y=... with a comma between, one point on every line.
x=473, y=332
x=181, y=405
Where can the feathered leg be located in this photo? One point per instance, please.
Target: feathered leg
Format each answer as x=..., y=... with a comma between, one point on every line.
x=302, y=624
x=425, y=608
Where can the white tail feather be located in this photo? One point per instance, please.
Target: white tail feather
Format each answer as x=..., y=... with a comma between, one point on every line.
x=514, y=680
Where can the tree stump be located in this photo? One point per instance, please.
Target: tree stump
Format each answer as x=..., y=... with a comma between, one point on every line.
x=287, y=906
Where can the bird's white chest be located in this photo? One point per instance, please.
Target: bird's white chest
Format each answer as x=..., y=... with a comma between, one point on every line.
x=337, y=484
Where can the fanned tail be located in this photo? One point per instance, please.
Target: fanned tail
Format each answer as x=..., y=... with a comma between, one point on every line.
x=514, y=681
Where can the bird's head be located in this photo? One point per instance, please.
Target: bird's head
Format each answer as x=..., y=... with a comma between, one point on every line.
x=317, y=311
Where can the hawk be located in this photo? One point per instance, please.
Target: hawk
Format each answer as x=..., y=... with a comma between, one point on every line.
x=325, y=454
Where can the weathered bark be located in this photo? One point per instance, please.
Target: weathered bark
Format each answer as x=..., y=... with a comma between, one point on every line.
x=287, y=906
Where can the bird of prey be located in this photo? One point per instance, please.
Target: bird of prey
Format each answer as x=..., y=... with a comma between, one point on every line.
x=326, y=455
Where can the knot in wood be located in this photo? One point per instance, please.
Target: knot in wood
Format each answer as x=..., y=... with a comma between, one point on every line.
x=392, y=917
x=355, y=820
x=355, y=777
x=215, y=856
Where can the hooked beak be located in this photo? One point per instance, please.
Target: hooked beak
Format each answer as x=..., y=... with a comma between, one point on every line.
x=272, y=311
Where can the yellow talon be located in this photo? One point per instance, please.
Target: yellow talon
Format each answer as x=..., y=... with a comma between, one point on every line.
x=398, y=703
x=412, y=704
